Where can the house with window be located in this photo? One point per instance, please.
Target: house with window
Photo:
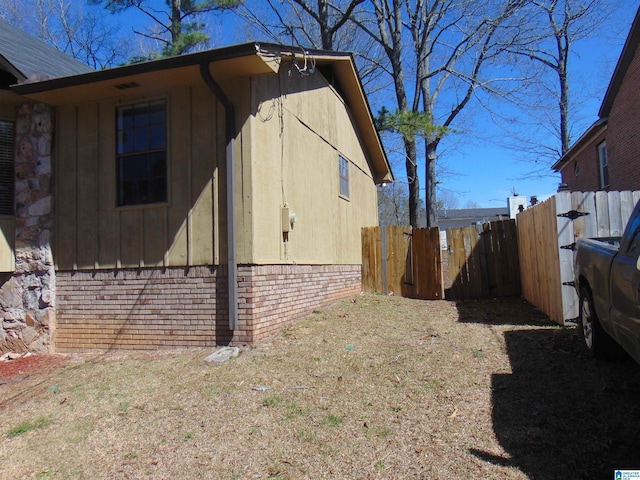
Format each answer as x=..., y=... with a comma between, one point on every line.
x=196, y=200
x=606, y=156
x=26, y=266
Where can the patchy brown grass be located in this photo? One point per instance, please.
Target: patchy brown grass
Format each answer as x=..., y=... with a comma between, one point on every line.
x=382, y=387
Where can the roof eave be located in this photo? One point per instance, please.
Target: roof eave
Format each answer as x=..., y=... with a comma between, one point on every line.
x=269, y=54
x=593, y=131
x=626, y=57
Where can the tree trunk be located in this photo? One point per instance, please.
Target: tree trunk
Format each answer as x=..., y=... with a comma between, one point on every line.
x=176, y=21
x=431, y=183
x=413, y=179
x=325, y=31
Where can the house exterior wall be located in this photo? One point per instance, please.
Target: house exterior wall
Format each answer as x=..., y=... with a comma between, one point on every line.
x=156, y=308
x=623, y=139
x=298, y=127
x=91, y=232
x=141, y=309
x=155, y=276
x=27, y=295
x=582, y=172
x=273, y=295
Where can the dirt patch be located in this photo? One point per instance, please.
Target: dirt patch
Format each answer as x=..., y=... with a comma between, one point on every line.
x=377, y=387
x=29, y=365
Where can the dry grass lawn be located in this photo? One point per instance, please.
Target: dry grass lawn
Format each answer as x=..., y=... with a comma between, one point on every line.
x=378, y=387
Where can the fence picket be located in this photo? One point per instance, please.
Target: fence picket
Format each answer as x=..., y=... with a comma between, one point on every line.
x=401, y=261
x=608, y=214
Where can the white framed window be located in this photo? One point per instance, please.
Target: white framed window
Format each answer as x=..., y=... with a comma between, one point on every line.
x=7, y=159
x=141, y=141
x=603, y=163
x=343, y=175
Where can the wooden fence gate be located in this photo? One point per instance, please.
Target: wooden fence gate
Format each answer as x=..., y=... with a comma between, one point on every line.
x=483, y=261
x=402, y=261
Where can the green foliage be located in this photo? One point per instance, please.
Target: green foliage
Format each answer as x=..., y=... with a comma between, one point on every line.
x=181, y=32
x=332, y=420
x=186, y=40
x=409, y=124
x=273, y=401
x=28, y=426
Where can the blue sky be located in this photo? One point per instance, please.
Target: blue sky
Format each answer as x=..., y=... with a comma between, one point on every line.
x=481, y=169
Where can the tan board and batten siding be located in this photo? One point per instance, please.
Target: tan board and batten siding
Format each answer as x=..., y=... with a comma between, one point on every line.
x=91, y=232
x=290, y=132
x=299, y=126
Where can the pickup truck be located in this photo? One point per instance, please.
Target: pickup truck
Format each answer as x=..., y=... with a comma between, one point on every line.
x=607, y=279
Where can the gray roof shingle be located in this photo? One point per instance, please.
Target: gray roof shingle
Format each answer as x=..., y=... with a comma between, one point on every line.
x=25, y=56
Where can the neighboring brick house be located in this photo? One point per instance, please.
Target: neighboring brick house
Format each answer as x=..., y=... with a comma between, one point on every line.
x=151, y=248
x=607, y=156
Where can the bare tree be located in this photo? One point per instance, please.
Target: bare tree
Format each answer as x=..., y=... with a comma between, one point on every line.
x=452, y=44
x=554, y=27
x=79, y=32
x=448, y=200
x=434, y=52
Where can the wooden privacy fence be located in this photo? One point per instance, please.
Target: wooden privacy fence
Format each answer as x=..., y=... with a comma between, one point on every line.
x=402, y=261
x=483, y=261
x=547, y=234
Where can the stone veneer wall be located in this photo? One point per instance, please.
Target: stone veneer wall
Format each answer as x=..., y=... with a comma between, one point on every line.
x=27, y=298
x=179, y=307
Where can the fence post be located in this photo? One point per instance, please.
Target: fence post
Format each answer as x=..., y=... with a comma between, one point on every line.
x=565, y=240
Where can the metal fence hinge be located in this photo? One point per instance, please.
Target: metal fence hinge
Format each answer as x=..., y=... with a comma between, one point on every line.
x=573, y=214
x=569, y=284
x=571, y=246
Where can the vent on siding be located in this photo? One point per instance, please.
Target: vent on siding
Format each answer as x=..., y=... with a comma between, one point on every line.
x=7, y=135
x=126, y=86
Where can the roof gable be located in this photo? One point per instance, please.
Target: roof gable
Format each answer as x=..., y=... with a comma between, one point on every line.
x=227, y=63
x=23, y=56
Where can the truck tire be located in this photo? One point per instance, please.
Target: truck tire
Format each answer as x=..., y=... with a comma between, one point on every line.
x=598, y=344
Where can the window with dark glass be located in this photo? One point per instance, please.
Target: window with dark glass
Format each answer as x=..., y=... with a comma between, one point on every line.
x=603, y=162
x=343, y=173
x=7, y=139
x=141, y=142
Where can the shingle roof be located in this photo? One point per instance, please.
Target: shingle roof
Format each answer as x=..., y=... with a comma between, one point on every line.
x=24, y=56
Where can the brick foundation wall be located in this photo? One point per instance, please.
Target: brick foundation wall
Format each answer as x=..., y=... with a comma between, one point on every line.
x=149, y=309
x=272, y=295
x=142, y=309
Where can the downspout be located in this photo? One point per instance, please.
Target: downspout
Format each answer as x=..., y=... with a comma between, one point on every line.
x=230, y=133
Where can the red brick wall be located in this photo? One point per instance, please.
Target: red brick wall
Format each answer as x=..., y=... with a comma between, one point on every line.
x=272, y=295
x=623, y=140
x=588, y=177
x=177, y=307
x=139, y=309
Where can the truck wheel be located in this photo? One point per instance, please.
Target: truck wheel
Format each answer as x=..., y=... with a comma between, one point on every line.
x=597, y=342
